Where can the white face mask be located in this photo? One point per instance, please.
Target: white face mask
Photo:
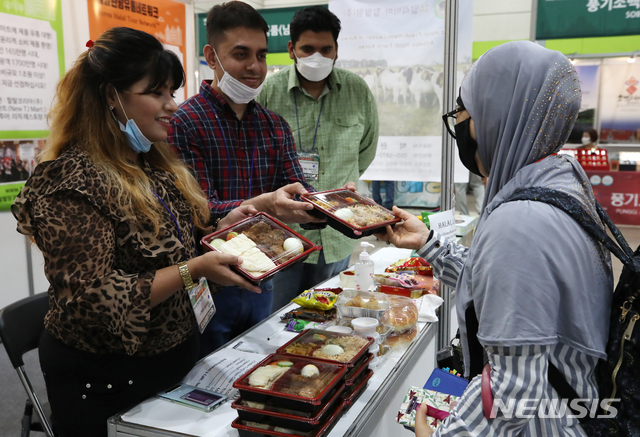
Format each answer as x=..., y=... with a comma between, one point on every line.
x=234, y=89
x=586, y=140
x=136, y=139
x=314, y=68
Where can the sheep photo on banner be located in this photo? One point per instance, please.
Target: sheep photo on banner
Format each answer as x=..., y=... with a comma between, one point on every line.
x=397, y=47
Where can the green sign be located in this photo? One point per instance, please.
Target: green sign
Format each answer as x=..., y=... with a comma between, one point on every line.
x=8, y=193
x=31, y=62
x=277, y=37
x=587, y=18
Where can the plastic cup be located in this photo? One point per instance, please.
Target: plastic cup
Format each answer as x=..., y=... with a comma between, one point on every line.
x=365, y=325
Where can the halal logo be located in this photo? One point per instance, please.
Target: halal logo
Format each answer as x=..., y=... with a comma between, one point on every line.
x=632, y=82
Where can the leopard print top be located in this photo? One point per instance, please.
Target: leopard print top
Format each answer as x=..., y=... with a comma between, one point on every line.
x=100, y=263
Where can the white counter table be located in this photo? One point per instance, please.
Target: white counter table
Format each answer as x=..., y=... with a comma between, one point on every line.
x=373, y=414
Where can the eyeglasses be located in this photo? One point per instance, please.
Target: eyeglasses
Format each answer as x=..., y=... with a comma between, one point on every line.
x=450, y=119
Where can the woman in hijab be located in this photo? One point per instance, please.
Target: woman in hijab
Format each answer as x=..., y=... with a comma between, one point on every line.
x=538, y=287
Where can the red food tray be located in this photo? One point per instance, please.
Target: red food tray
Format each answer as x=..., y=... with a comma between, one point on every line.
x=246, y=430
x=327, y=203
x=264, y=221
x=354, y=373
x=353, y=393
x=307, y=338
x=288, y=418
x=332, y=375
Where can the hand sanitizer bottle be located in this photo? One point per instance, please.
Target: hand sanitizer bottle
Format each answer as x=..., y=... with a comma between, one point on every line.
x=364, y=269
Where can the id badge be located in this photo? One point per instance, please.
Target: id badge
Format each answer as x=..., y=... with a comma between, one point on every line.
x=202, y=303
x=310, y=163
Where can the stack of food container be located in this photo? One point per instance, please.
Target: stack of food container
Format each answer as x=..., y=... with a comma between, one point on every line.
x=304, y=387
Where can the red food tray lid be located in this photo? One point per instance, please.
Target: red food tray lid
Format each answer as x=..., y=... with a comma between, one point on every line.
x=263, y=222
x=359, y=389
x=237, y=405
x=315, y=344
x=364, y=366
x=331, y=373
x=324, y=429
x=328, y=202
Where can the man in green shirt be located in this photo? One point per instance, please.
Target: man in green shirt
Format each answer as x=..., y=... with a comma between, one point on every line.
x=334, y=120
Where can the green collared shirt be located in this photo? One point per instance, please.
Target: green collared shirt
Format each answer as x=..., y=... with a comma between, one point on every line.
x=346, y=139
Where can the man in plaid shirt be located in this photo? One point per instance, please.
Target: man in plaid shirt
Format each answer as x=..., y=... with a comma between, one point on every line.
x=241, y=152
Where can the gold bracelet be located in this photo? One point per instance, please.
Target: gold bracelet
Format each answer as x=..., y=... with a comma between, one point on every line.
x=185, y=275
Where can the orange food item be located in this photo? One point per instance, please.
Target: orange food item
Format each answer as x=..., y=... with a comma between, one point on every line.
x=416, y=264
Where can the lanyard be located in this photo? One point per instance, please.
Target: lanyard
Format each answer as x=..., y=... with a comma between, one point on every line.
x=226, y=148
x=178, y=227
x=315, y=134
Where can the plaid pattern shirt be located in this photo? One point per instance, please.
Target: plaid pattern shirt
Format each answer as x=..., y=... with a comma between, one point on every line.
x=233, y=159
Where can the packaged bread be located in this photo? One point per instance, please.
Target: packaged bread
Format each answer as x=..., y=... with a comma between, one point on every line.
x=402, y=339
x=402, y=313
x=353, y=303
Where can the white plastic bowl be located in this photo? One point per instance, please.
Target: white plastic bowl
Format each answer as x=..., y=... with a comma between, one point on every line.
x=342, y=329
x=364, y=325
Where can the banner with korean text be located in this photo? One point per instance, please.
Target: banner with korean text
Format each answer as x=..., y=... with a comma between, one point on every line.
x=586, y=18
x=619, y=194
x=164, y=19
x=31, y=62
x=397, y=47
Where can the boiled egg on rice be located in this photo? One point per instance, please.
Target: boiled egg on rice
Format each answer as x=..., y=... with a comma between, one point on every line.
x=332, y=349
x=344, y=213
x=293, y=245
x=309, y=371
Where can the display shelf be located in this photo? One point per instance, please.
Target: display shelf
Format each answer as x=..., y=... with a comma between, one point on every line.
x=371, y=414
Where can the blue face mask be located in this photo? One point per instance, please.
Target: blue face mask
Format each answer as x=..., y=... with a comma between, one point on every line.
x=137, y=141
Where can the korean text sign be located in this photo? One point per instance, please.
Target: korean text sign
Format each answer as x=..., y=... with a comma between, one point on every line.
x=587, y=18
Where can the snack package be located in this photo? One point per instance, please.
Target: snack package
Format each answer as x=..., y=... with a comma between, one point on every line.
x=395, y=283
x=316, y=299
x=440, y=406
x=310, y=314
x=295, y=325
x=416, y=264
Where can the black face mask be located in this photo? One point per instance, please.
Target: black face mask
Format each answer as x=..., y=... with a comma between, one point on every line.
x=467, y=146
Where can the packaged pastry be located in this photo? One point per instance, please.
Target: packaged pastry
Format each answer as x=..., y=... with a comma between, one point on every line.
x=401, y=340
x=416, y=264
x=354, y=303
x=402, y=313
x=406, y=283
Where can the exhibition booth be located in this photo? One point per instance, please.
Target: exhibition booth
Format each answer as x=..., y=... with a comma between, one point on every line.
x=382, y=43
